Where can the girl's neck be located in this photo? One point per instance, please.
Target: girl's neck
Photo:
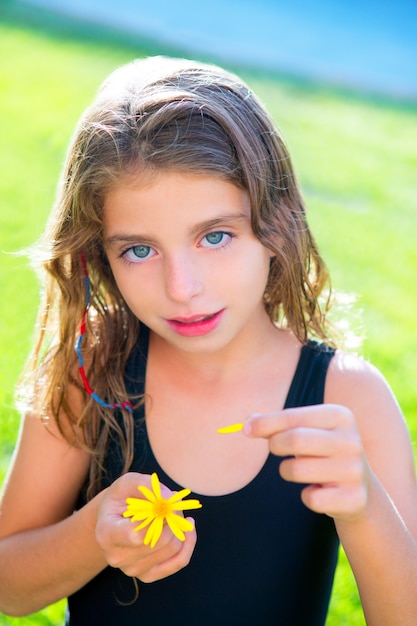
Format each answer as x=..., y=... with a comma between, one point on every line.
x=222, y=365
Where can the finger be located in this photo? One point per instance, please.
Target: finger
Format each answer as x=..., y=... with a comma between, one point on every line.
x=141, y=561
x=323, y=416
x=306, y=442
x=127, y=485
x=323, y=471
x=133, y=556
x=175, y=562
x=113, y=498
x=339, y=504
x=315, y=442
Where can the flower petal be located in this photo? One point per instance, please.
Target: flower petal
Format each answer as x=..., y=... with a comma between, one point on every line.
x=232, y=428
x=186, y=505
x=179, y=495
x=147, y=493
x=145, y=522
x=138, y=504
x=156, y=485
x=154, y=531
x=139, y=515
x=175, y=527
x=149, y=534
x=180, y=522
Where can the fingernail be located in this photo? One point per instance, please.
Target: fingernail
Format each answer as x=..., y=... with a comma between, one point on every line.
x=247, y=425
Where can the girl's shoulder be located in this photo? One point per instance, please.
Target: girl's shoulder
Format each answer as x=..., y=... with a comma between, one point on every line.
x=352, y=376
x=359, y=386
x=356, y=384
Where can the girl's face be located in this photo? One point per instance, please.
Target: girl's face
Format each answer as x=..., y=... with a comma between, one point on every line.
x=185, y=258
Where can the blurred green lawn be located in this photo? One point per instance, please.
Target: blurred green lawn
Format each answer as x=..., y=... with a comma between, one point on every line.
x=357, y=162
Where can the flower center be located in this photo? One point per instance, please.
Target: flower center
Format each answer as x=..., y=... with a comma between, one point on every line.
x=162, y=508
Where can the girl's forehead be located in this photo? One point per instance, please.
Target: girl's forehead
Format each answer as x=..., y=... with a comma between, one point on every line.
x=173, y=198
x=175, y=184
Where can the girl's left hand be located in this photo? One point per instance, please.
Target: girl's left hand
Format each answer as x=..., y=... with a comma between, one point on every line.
x=326, y=453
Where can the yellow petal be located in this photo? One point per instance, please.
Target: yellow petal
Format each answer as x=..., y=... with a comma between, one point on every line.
x=156, y=485
x=180, y=522
x=176, y=531
x=154, y=532
x=233, y=428
x=175, y=527
x=179, y=495
x=145, y=523
x=147, y=493
x=149, y=534
x=138, y=517
x=138, y=504
x=186, y=505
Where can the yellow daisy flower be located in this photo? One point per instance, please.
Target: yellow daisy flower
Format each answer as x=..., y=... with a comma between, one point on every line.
x=155, y=510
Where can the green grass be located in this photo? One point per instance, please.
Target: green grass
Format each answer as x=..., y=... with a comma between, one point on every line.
x=356, y=161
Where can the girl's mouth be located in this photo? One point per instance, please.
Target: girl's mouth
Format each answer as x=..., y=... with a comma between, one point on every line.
x=196, y=325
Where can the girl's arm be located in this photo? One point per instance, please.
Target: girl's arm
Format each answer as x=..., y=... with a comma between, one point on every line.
x=355, y=455
x=381, y=544
x=45, y=551
x=48, y=552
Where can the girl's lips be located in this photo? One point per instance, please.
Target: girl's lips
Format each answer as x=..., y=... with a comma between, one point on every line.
x=196, y=325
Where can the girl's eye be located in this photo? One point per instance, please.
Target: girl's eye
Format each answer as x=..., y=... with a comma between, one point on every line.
x=136, y=254
x=216, y=239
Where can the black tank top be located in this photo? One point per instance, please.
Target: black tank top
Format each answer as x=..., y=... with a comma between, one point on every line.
x=262, y=558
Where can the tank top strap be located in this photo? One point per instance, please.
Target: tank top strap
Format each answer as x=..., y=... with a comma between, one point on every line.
x=307, y=386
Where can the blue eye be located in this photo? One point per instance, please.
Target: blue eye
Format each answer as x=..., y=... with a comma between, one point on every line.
x=216, y=239
x=136, y=254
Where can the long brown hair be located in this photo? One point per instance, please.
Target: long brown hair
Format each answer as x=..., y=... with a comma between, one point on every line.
x=158, y=114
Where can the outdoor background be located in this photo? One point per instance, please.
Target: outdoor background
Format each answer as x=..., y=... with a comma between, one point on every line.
x=340, y=81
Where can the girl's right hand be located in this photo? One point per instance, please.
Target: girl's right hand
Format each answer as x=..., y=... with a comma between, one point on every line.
x=123, y=546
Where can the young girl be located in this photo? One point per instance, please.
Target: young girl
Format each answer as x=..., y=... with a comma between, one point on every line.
x=180, y=265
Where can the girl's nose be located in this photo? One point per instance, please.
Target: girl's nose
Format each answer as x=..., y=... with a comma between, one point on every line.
x=183, y=279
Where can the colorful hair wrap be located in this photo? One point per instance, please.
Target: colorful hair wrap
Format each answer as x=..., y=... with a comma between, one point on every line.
x=78, y=344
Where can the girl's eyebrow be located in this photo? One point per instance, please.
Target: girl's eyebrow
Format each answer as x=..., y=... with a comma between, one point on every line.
x=128, y=238
x=218, y=221
x=222, y=220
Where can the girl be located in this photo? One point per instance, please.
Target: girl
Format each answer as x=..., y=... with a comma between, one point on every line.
x=180, y=264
